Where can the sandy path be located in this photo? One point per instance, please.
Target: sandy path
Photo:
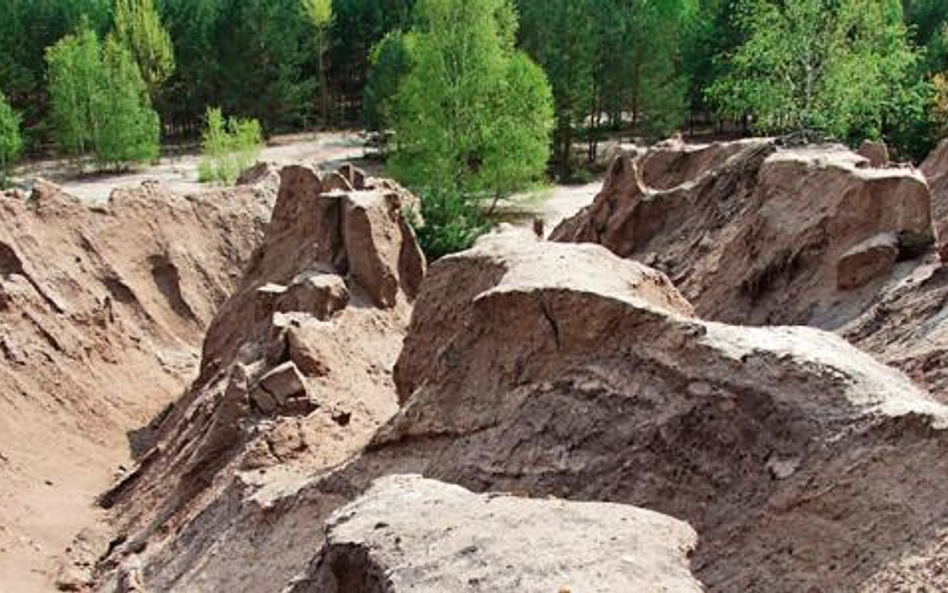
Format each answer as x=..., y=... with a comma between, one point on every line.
x=180, y=172
x=552, y=205
x=327, y=149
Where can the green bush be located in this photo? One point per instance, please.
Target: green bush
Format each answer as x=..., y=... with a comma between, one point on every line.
x=11, y=143
x=229, y=147
x=451, y=223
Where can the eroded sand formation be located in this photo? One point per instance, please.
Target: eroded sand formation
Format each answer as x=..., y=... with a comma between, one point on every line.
x=625, y=408
x=102, y=310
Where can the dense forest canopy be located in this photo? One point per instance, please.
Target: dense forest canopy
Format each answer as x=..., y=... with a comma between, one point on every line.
x=848, y=69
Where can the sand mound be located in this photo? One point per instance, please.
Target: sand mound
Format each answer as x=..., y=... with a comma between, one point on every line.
x=295, y=378
x=101, y=312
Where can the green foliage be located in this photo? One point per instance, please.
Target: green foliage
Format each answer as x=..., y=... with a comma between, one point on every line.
x=27, y=28
x=249, y=56
x=11, y=143
x=391, y=61
x=561, y=36
x=472, y=115
x=358, y=25
x=926, y=20
x=910, y=126
x=290, y=63
x=710, y=34
x=609, y=57
x=99, y=101
x=940, y=103
x=138, y=28
x=263, y=48
x=127, y=129
x=319, y=12
x=75, y=70
x=320, y=15
x=835, y=67
x=229, y=147
x=451, y=223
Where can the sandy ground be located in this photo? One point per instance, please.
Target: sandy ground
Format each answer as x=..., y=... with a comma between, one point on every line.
x=552, y=204
x=47, y=521
x=179, y=172
x=326, y=149
x=52, y=504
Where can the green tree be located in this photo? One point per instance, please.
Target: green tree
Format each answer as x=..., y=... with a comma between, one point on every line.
x=470, y=102
x=264, y=54
x=562, y=36
x=127, y=128
x=609, y=58
x=75, y=70
x=358, y=25
x=27, y=29
x=138, y=28
x=11, y=143
x=99, y=101
x=319, y=13
x=472, y=118
x=391, y=61
x=197, y=78
x=927, y=20
x=834, y=67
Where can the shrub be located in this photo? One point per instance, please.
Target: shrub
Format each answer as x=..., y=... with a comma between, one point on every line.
x=229, y=146
x=10, y=140
x=451, y=223
x=390, y=60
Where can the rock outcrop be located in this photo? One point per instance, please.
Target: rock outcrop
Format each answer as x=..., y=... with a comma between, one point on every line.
x=814, y=235
x=591, y=379
x=877, y=153
x=673, y=162
x=295, y=377
x=801, y=462
x=411, y=534
x=102, y=311
x=769, y=235
x=562, y=370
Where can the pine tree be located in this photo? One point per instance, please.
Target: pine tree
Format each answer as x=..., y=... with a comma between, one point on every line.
x=562, y=36
x=138, y=28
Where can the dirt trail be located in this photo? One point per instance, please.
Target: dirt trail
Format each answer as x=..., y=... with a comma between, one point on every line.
x=179, y=173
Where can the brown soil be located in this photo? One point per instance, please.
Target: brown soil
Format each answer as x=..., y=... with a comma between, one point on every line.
x=353, y=413
x=102, y=309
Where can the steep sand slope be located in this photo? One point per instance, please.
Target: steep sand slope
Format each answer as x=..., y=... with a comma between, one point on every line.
x=101, y=313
